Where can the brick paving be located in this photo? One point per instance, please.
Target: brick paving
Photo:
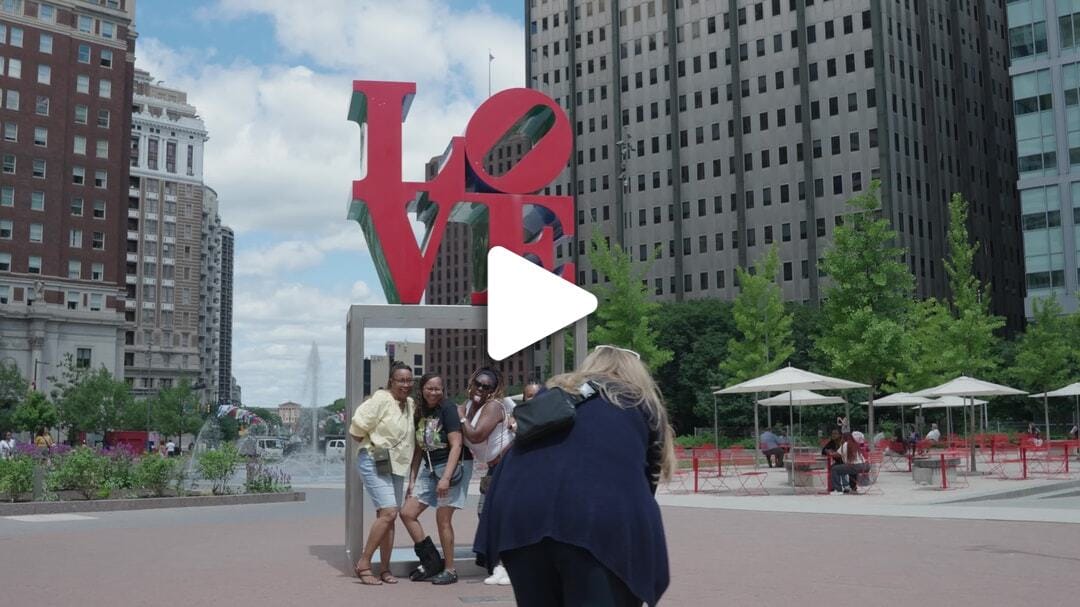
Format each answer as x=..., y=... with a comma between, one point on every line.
x=291, y=554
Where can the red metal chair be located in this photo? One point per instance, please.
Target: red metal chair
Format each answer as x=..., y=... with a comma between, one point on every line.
x=870, y=485
x=742, y=467
x=708, y=473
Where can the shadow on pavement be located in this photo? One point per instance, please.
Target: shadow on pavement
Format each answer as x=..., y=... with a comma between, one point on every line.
x=333, y=555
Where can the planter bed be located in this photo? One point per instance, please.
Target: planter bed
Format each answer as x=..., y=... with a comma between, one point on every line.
x=145, y=503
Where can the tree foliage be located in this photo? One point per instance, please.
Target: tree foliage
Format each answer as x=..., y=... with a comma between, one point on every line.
x=13, y=389
x=1044, y=352
x=34, y=412
x=175, y=410
x=764, y=339
x=868, y=303
x=626, y=315
x=90, y=400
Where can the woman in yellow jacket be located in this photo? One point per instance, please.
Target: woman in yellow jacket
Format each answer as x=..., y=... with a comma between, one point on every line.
x=382, y=425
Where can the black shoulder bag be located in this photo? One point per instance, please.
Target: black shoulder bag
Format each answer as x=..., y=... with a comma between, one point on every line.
x=549, y=412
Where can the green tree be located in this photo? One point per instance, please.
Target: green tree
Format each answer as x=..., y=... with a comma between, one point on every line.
x=869, y=300
x=764, y=339
x=89, y=400
x=13, y=389
x=337, y=406
x=626, y=316
x=699, y=330
x=175, y=410
x=34, y=412
x=1044, y=351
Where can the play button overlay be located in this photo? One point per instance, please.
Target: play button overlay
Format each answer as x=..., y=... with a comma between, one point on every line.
x=526, y=303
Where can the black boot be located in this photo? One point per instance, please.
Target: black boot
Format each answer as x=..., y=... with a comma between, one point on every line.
x=431, y=564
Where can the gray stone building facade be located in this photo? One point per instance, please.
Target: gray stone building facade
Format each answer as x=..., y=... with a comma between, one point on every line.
x=709, y=130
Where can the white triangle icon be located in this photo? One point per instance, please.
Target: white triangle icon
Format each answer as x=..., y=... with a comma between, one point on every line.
x=526, y=303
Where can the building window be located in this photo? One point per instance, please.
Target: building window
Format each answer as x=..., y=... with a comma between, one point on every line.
x=33, y=264
x=1033, y=108
x=81, y=113
x=41, y=136
x=99, y=209
x=82, y=84
x=5, y=262
x=1027, y=37
x=7, y=196
x=103, y=119
x=85, y=24
x=77, y=207
x=101, y=178
x=98, y=241
x=75, y=238
x=106, y=58
x=97, y=272
x=41, y=105
x=36, y=232
x=78, y=175
x=82, y=358
x=1044, y=260
x=105, y=89
x=84, y=53
x=74, y=269
x=102, y=148
x=39, y=168
x=44, y=74
x=45, y=44
x=9, y=164
x=6, y=227
x=37, y=200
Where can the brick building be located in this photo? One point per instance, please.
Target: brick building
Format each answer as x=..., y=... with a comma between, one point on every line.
x=66, y=74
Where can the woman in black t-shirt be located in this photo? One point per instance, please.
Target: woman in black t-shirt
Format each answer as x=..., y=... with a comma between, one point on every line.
x=439, y=477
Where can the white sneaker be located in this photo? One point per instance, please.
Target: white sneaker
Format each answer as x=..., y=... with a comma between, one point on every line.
x=497, y=577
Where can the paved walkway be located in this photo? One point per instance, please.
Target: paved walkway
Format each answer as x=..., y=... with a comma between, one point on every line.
x=291, y=554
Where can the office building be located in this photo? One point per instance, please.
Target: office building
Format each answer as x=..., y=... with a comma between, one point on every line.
x=66, y=74
x=164, y=239
x=710, y=130
x=1045, y=68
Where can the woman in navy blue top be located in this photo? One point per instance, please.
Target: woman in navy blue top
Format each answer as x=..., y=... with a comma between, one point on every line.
x=572, y=515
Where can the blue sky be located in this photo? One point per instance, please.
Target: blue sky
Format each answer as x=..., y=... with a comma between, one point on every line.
x=271, y=79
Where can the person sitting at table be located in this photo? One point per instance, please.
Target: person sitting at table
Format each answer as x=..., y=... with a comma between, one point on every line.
x=771, y=449
x=832, y=446
x=783, y=439
x=852, y=463
x=934, y=434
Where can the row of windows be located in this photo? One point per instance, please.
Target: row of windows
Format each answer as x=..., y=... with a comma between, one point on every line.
x=49, y=14
x=12, y=68
x=8, y=196
x=36, y=233
x=12, y=100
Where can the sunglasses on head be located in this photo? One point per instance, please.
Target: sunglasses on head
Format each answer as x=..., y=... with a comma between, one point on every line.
x=636, y=355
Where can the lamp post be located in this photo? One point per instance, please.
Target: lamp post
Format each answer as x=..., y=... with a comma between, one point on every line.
x=36, y=363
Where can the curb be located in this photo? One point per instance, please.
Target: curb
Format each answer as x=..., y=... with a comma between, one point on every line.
x=1017, y=493
x=148, y=503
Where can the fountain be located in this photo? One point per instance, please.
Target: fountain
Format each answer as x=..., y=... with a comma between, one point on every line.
x=310, y=465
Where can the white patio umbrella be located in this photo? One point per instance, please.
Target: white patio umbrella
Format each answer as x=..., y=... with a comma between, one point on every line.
x=788, y=378
x=972, y=387
x=949, y=403
x=799, y=398
x=899, y=399
x=1069, y=390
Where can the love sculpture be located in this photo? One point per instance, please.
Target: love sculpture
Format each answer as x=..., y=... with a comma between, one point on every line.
x=518, y=218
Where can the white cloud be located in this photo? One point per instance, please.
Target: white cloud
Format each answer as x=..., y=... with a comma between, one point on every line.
x=282, y=157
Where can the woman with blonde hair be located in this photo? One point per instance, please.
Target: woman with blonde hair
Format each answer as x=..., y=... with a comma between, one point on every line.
x=382, y=425
x=572, y=514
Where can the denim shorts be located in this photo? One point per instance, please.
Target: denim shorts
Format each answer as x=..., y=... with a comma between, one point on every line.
x=385, y=490
x=426, y=488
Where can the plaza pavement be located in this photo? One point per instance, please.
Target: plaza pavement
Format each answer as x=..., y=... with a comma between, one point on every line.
x=291, y=554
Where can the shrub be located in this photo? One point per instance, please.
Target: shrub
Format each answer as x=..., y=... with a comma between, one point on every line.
x=82, y=470
x=266, y=479
x=16, y=476
x=120, y=462
x=154, y=473
x=218, y=466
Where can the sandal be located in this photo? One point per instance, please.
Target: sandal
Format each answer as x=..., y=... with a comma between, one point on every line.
x=367, y=574
x=387, y=577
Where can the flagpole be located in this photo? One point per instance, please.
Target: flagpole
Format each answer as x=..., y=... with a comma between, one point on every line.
x=490, y=59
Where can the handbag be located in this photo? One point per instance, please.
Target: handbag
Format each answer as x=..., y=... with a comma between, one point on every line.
x=438, y=470
x=549, y=412
x=381, y=457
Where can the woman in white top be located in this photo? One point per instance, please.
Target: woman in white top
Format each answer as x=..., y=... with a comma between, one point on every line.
x=486, y=430
x=483, y=417
x=853, y=463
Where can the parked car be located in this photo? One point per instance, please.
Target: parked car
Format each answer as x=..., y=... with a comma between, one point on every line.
x=269, y=448
x=335, y=448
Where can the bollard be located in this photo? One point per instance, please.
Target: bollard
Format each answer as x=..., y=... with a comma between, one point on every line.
x=695, y=461
x=39, y=482
x=944, y=474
